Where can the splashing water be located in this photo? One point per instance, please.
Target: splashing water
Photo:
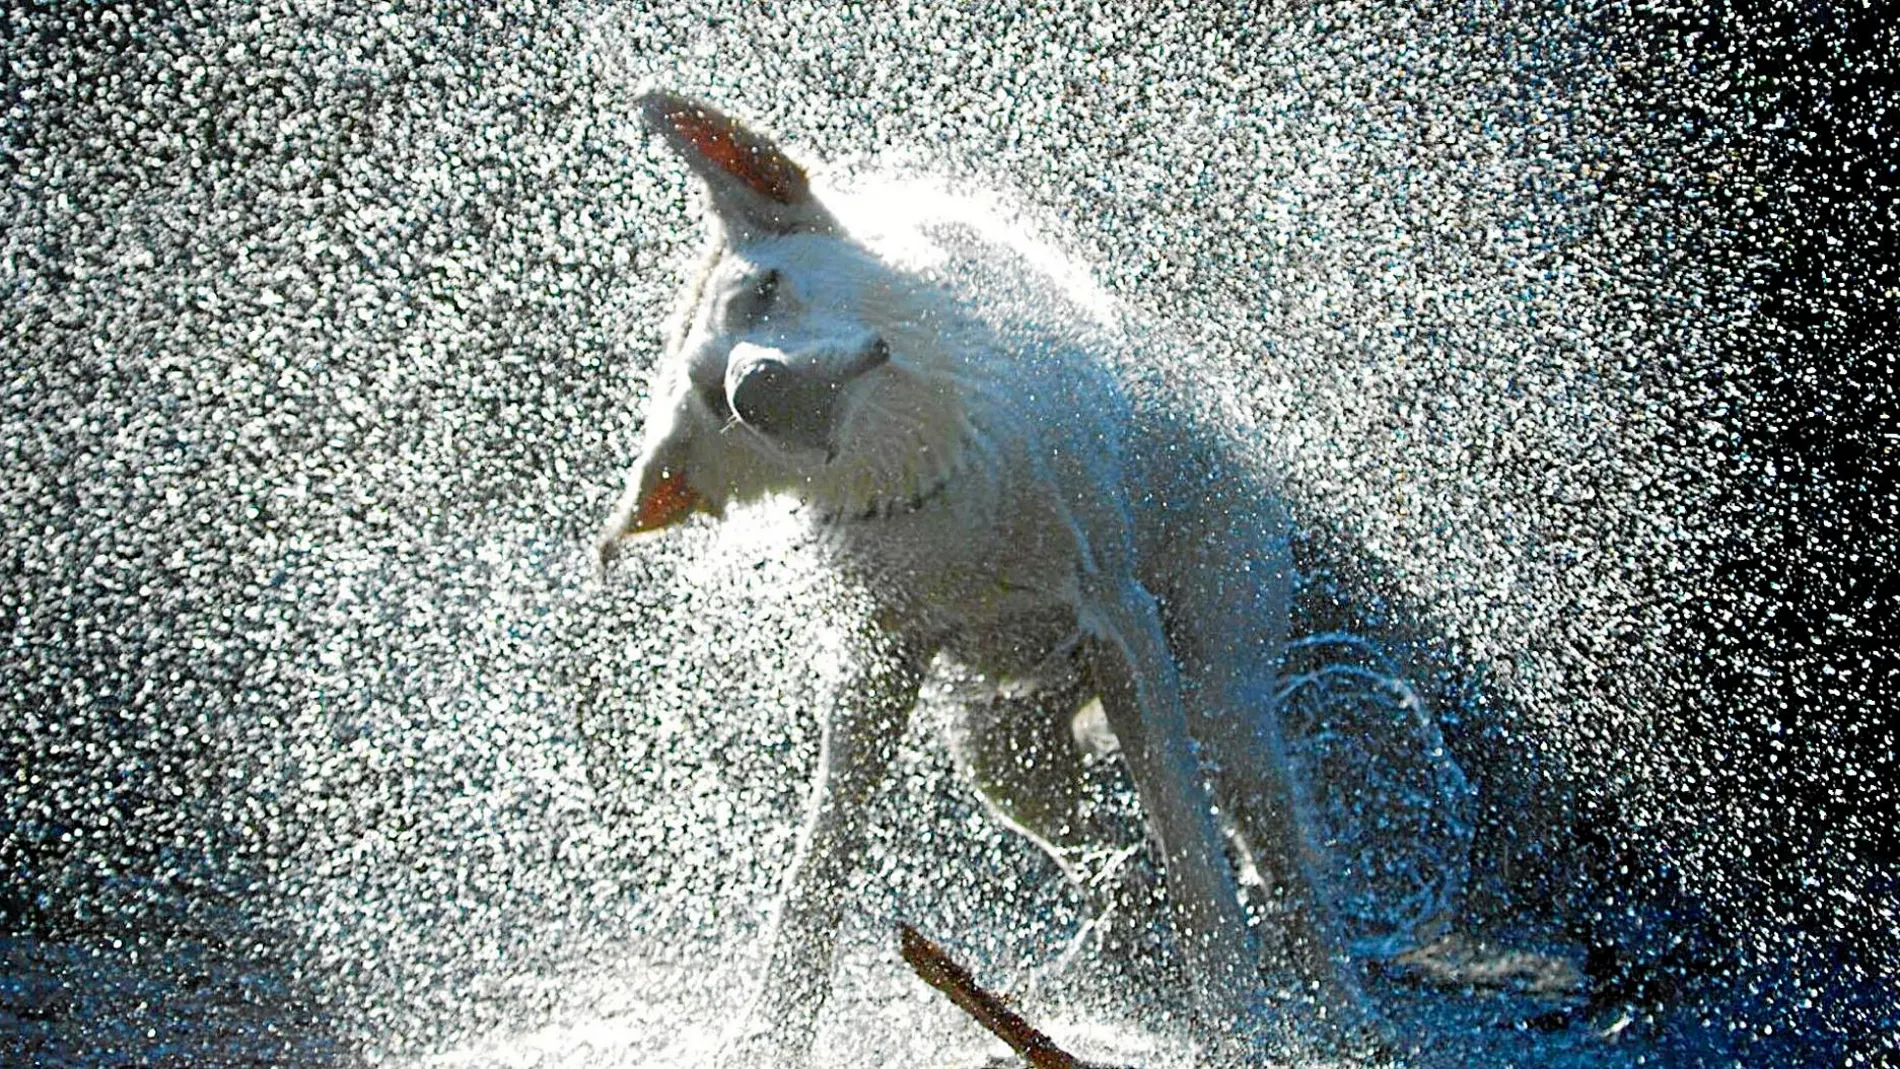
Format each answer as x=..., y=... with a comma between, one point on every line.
x=325, y=326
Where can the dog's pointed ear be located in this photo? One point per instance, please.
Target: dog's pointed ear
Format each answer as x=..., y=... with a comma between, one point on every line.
x=757, y=190
x=657, y=496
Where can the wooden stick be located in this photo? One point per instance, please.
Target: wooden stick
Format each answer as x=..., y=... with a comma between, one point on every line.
x=937, y=969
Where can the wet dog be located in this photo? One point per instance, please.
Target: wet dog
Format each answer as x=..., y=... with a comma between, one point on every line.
x=977, y=447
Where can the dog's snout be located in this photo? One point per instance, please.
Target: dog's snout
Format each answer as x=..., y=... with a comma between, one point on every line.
x=755, y=396
x=794, y=398
x=785, y=403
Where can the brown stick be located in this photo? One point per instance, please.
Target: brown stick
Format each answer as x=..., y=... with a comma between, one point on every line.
x=936, y=968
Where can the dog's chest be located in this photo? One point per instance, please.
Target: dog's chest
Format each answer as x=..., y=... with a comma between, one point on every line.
x=995, y=592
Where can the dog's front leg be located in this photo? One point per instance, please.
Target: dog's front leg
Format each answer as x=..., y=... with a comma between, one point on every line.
x=860, y=735
x=1231, y=605
x=1141, y=694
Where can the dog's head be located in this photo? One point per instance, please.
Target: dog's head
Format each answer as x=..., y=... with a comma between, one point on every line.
x=799, y=362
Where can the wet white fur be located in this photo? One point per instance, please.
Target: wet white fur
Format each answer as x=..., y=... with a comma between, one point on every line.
x=1065, y=499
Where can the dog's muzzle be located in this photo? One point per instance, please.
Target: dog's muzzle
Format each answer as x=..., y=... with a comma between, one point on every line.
x=790, y=400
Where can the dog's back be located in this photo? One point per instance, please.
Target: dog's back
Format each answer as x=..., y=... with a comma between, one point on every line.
x=1065, y=389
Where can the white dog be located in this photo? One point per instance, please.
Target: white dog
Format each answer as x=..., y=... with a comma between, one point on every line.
x=1015, y=505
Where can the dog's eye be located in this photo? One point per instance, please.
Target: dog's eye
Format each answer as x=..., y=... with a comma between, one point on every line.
x=765, y=290
x=754, y=304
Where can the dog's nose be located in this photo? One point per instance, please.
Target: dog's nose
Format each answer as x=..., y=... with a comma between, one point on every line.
x=786, y=404
x=755, y=394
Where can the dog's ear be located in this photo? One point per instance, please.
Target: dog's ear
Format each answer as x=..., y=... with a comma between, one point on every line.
x=657, y=496
x=757, y=190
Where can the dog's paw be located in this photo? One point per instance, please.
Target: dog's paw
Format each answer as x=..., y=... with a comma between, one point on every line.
x=1330, y=1024
x=1458, y=961
x=756, y=1046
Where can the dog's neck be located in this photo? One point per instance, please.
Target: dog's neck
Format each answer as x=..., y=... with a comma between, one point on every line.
x=902, y=480
x=909, y=444
x=889, y=508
